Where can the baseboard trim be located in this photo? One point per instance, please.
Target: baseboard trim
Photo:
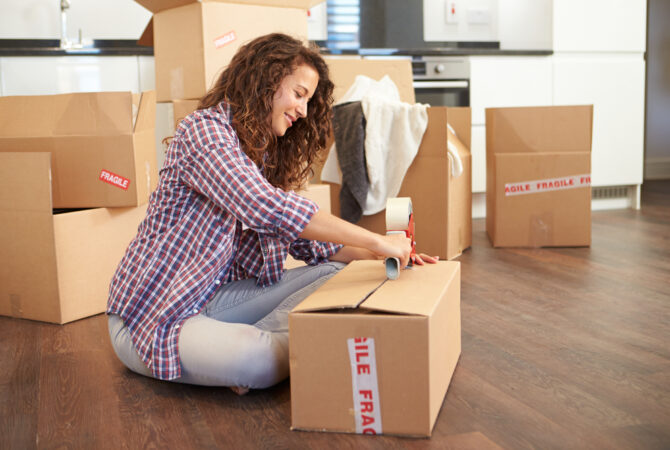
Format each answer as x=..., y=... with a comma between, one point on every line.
x=657, y=169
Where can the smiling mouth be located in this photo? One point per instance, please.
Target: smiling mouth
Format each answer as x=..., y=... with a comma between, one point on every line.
x=290, y=119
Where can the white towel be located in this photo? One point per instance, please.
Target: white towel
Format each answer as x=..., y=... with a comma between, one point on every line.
x=393, y=133
x=363, y=86
x=452, y=152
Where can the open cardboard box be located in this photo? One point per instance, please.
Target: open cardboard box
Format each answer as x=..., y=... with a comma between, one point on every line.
x=538, y=176
x=102, y=144
x=373, y=356
x=442, y=203
x=194, y=40
x=56, y=266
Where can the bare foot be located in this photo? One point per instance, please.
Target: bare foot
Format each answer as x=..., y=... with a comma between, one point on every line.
x=239, y=390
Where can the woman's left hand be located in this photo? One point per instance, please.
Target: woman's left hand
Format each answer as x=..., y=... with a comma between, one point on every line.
x=421, y=258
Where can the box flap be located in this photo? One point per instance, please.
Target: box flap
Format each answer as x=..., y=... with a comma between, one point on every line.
x=77, y=114
x=364, y=284
x=460, y=119
x=26, y=179
x=539, y=129
x=161, y=5
x=417, y=291
x=347, y=289
x=147, y=37
x=146, y=111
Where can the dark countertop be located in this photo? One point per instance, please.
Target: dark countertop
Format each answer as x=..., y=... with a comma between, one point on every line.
x=445, y=51
x=125, y=47
x=51, y=47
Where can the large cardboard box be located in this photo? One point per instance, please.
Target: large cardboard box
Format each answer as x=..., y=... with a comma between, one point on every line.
x=538, y=182
x=56, y=265
x=344, y=69
x=182, y=108
x=373, y=356
x=442, y=203
x=102, y=144
x=194, y=40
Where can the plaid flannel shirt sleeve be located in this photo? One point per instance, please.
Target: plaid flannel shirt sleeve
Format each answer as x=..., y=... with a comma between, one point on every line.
x=313, y=252
x=220, y=170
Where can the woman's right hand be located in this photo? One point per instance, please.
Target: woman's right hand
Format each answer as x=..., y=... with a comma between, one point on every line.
x=394, y=246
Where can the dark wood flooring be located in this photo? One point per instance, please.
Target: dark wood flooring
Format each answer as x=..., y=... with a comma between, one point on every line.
x=562, y=348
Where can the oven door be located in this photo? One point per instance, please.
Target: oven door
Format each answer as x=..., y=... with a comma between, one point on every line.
x=442, y=92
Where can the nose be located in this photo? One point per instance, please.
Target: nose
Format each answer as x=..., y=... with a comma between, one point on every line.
x=302, y=109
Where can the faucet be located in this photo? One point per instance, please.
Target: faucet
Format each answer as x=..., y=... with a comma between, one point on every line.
x=65, y=42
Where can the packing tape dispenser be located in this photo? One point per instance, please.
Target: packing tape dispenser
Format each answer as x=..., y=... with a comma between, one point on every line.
x=399, y=219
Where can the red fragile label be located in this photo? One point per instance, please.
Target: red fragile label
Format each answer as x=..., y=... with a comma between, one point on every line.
x=114, y=179
x=225, y=39
x=550, y=184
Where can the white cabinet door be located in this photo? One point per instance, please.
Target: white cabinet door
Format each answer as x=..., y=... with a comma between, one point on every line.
x=35, y=75
x=600, y=25
x=503, y=81
x=500, y=81
x=614, y=84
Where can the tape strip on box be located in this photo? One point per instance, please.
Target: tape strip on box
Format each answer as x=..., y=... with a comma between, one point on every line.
x=550, y=184
x=364, y=385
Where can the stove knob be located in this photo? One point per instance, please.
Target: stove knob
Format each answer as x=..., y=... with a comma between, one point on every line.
x=439, y=68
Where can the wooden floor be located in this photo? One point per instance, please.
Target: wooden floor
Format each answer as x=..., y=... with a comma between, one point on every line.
x=562, y=348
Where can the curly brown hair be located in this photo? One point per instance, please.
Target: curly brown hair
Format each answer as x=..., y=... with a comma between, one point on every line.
x=248, y=85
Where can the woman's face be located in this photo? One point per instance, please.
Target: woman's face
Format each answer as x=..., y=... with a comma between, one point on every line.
x=290, y=101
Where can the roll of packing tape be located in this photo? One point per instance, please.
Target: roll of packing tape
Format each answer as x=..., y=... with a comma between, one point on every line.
x=398, y=210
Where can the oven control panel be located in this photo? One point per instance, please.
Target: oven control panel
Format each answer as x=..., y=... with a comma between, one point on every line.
x=440, y=68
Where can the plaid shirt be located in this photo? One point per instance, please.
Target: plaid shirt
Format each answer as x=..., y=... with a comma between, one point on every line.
x=213, y=219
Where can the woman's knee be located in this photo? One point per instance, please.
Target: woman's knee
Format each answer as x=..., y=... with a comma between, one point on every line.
x=265, y=361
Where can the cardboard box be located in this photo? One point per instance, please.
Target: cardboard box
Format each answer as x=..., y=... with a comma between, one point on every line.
x=538, y=182
x=102, y=144
x=182, y=108
x=56, y=266
x=442, y=203
x=343, y=72
x=194, y=40
x=374, y=356
x=319, y=193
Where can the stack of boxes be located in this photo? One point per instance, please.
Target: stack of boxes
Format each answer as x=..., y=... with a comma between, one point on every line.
x=76, y=172
x=194, y=40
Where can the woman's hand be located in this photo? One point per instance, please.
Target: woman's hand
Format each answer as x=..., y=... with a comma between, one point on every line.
x=421, y=258
x=394, y=246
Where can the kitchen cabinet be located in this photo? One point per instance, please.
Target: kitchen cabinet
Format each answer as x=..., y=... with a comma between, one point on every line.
x=599, y=25
x=503, y=81
x=36, y=75
x=508, y=81
x=598, y=58
x=614, y=84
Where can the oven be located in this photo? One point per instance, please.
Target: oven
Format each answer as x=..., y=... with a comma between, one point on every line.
x=441, y=80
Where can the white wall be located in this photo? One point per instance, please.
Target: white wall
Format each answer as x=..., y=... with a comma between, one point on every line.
x=525, y=24
x=98, y=19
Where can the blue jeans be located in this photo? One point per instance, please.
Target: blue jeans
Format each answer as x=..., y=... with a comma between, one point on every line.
x=240, y=338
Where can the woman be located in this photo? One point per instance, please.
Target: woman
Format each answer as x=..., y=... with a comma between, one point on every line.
x=201, y=295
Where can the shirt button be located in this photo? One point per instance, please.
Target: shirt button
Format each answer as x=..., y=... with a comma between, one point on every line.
x=217, y=282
